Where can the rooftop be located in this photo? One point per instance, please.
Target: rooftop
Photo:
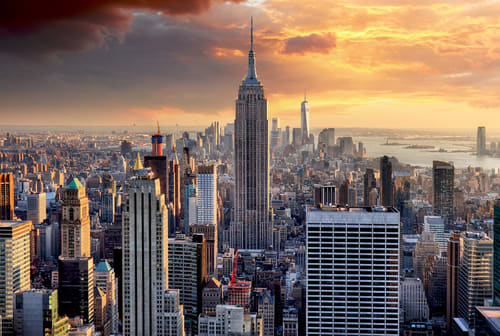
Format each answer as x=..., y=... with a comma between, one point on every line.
x=338, y=208
x=75, y=184
x=11, y=223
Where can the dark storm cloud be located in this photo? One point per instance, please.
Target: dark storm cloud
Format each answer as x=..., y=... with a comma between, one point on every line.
x=42, y=28
x=313, y=43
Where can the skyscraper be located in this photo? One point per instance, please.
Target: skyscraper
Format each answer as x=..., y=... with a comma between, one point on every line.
x=452, y=273
x=352, y=271
x=145, y=256
x=188, y=274
x=37, y=211
x=496, y=253
x=369, y=183
x=76, y=287
x=6, y=197
x=158, y=163
x=481, y=141
x=252, y=226
x=14, y=268
x=386, y=186
x=75, y=223
x=304, y=116
x=475, y=274
x=443, y=181
x=105, y=280
x=206, y=221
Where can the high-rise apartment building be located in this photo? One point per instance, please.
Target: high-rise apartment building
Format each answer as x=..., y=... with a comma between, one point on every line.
x=37, y=208
x=252, y=226
x=481, y=141
x=443, y=181
x=206, y=197
x=475, y=274
x=145, y=256
x=75, y=223
x=37, y=313
x=14, y=268
x=352, y=271
x=304, y=116
x=386, y=184
x=6, y=196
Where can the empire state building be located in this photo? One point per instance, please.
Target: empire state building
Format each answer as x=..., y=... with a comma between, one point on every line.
x=252, y=225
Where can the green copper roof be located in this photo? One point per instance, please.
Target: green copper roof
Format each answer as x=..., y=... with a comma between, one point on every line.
x=75, y=184
x=103, y=266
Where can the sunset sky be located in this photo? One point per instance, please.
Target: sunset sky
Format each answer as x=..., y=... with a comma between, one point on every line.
x=364, y=63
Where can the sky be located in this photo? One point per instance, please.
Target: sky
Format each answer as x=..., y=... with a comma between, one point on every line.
x=362, y=63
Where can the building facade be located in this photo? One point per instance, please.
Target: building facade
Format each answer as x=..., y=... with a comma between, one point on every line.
x=352, y=266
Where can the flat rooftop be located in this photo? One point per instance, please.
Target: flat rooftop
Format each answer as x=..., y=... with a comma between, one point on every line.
x=339, y=208
x=12, y=223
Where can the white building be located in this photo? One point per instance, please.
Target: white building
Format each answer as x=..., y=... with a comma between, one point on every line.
x=145, y=261
x=174, y=316
x=413, y=301
x=304, y=116
x=435, y=224
x=352, y=271
x=207, y=195
x=230, y=320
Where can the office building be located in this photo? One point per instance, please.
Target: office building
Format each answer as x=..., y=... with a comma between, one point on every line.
x=487, y=321
x=443, y=181
x=212, y=296
x=352, y=266
x=174, y=185
x=173, y=314
x=425, y=247
x=230, y=320
x=188, y=273
x=435, y=224
x=106, y=281
x=325, y=194
x=145, y=256
x=252, y=226
x=304, y=116
x=452, y=273
x=496, y=253
x=413, y=301
x=206, y=196
x=210, y=233
x=475, y=274
x=37, y=313
x=14, y=268
x=369, y=183
x=386, y=185
x=76, y=288
x=326, y=138
x=37, y=208
x=263, y=304
x=6, y=196
x=481, y=141
x=75, y=223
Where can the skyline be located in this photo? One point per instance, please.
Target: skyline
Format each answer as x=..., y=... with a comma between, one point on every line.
x=363, y=64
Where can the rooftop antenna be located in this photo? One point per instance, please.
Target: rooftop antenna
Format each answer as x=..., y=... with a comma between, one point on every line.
x=251, y=33
x=158, y=124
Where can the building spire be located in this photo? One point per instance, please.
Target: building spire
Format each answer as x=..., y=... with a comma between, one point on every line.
x=251, y=33
x=251, y=77
x=158, y=124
